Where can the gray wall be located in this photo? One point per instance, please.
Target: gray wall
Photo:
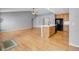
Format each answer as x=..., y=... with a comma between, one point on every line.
x=74, y=27
x=16, y=20
x=39, y=20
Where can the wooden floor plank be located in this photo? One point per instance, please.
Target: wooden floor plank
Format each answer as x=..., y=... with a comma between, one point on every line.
x=30, y=40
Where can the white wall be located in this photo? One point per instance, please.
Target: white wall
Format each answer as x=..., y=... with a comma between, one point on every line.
x=74, y=27
x=16, y=20
x=38, y=21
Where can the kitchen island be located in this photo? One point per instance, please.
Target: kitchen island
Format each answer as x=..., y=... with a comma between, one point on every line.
x=47, y=30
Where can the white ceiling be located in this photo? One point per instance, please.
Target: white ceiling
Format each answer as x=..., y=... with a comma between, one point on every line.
x=40, y=10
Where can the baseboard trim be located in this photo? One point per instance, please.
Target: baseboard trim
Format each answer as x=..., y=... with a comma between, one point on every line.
x=16, y=29
x=74, y=45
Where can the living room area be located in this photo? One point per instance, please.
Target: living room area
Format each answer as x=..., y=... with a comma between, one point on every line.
x=34, y=29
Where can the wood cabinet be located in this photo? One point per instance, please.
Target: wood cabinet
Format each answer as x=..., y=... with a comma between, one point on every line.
x=48, y=31
x=65, y=16
x=51, y=31
x=66, y=28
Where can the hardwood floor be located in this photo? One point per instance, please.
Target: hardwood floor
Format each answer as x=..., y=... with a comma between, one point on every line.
x=30, y=40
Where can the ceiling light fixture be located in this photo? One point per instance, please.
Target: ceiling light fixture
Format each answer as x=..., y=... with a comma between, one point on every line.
x=35, y=11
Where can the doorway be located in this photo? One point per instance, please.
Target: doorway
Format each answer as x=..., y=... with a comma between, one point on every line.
x=58, y=24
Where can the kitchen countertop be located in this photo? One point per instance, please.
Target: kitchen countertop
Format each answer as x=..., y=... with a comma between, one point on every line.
x=65, y=23
x=47, y=25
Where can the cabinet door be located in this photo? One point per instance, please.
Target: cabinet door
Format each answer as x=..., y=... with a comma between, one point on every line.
x=51, y=30
x=64, y=16
x=66, y=28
